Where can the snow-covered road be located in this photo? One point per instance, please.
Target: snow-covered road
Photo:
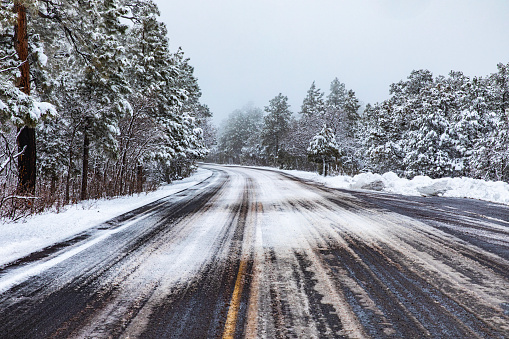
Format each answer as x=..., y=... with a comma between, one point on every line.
x=257, y=253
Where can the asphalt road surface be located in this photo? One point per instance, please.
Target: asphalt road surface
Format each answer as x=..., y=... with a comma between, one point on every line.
x=259, y=254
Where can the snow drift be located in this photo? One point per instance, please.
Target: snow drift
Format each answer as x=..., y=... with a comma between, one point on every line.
x=494, y=191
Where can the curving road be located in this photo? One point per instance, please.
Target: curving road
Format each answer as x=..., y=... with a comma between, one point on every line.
x=257, y=253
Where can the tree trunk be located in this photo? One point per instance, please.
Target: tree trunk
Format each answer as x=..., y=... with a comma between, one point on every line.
x=276, y=150
x=53, y=185
x=104, y=179
x=84, y=171
x=324, y=168
x=21, y=46
x=26, y=134
x=26, y=160
x=69, y=169
x=139, y=178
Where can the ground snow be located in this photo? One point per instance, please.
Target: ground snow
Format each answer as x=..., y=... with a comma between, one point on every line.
x=37, y=232
x=419, y=186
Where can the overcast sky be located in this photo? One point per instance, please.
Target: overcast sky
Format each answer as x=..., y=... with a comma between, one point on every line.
x=251, y=50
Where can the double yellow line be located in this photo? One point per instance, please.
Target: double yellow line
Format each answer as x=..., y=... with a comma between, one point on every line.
x=233, y=311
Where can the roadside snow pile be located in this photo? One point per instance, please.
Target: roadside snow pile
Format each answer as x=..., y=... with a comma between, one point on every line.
x=419, y=186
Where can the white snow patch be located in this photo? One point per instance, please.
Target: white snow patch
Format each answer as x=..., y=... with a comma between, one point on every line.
x=43, y=58
x=24, y=274
x=19, y=239
x=41, y=109
x=494, y=191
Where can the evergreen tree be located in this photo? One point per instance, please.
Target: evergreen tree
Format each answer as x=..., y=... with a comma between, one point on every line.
x=240, y=136
x=490, y=156
x=386, y=124
x=323, y=149
x=342, y=116
x=275, y=125
x=335, y=113
x=313, y=104
x=126, y=104
x=18, y=104
x=429, y=147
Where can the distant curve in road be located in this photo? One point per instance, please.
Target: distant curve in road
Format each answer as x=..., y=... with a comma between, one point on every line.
x=260, y=254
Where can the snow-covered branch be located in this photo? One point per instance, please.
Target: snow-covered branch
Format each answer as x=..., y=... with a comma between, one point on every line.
x=13, y=67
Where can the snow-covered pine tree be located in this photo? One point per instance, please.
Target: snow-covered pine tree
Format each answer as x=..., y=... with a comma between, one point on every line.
x=386, y=124
x=490, y=158
x=429, y=148
x=323, y=149
x=151, y=75
x=239, y=138
x=473, y=120
x=342, y=116
x=335, y=113
x=313, y=104
x=382, y=137
x=311, y=120
x=105, y=84
x=18, y=104
x=86, y=71
x=204, y=121
x=275, y=126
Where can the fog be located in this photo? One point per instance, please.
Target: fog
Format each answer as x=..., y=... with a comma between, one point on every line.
x=251, y=50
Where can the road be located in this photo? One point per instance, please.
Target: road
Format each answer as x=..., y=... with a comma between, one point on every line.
x=260, y=254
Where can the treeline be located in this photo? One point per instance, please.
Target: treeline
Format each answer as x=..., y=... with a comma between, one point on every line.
x=92, y=103
x=436, y=126
x=276, y=137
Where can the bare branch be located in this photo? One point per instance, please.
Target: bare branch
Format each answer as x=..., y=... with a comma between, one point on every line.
x=11, y=157
x=8, y=56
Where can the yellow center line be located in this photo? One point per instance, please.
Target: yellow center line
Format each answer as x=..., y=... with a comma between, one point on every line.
x=233, y=311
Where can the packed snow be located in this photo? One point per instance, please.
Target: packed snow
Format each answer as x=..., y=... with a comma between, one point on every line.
x=494, y=191
x=37, y=232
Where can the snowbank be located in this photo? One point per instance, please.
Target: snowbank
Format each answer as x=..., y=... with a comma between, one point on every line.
x=419, y=186
x=37, y=232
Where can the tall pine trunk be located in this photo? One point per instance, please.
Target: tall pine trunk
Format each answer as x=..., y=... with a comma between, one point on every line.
x=84, y=171
x=276, y=151
x=26, y=160
x=26, y=134
x=139, y=178
x=69, y=167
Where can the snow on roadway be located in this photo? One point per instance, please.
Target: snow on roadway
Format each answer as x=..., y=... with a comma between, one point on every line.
x=37, y=232
x=419, y=186
x=34, y=233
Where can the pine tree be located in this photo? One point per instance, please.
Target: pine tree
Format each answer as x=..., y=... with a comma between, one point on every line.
x=323, y=149
x=313, y=104
x=335, y=113
x=275, y=125
x=490, y=156
x=240, y=135
x=430, y=149
x=312, y=115
x=342, y=116
x=18, y=104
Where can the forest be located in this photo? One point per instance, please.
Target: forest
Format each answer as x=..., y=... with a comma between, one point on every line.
x=437, y=126
x=93, y=103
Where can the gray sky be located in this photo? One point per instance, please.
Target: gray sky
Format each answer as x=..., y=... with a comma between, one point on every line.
x=251, y=50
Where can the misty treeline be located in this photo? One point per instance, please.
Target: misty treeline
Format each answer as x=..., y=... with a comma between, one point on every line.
x=92, y=103
x=440, y=126
x=322, y=134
